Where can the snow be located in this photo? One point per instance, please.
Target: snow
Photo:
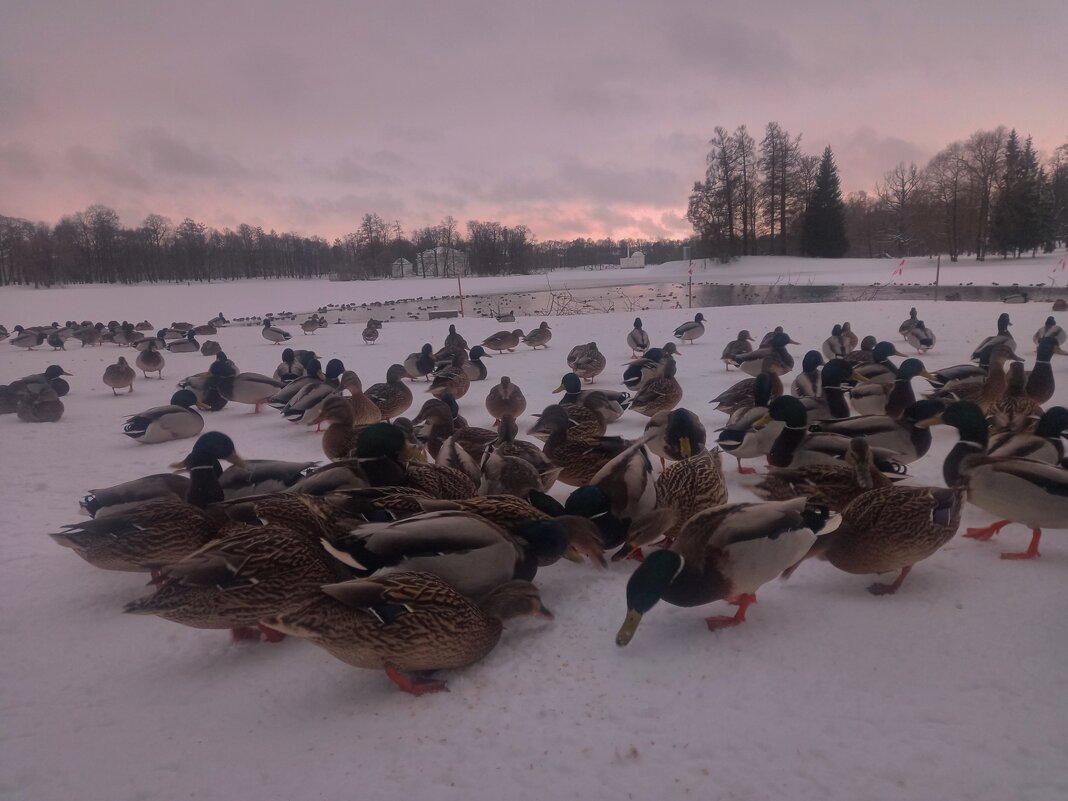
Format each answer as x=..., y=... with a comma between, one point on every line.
x=953, y=688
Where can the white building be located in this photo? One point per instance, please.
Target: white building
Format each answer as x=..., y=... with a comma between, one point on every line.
x=401, y=268
x=633, y=261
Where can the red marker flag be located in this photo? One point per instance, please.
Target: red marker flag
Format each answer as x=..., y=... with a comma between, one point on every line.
x=900, y=269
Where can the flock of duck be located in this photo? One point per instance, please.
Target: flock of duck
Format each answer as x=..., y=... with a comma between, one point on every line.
x=422, y=536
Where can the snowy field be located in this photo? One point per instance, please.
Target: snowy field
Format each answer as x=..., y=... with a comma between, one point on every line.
x=954, y=688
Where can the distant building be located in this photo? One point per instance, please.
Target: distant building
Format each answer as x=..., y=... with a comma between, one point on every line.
x=633, y=261
x=401, y=268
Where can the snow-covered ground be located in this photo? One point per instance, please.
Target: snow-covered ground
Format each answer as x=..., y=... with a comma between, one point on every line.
x=163, y=303
x=954, y=688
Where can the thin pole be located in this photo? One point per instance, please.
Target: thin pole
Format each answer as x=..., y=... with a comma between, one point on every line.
x=689, y=288
x=460, y=287
x=938, y=272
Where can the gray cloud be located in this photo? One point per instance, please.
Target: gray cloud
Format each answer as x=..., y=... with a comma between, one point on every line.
x=171, y=155
x=83, y=162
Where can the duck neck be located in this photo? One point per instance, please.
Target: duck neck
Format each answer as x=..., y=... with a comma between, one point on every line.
x=204, y=487
x=785, y=445
x=901, y=395
x=836, y=402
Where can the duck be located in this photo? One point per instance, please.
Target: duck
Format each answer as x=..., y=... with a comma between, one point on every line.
x=39, y=403
x=966, y=381
x=505, y=399
x=452, y=379
x=1043, y=443
x=889, y=398
x=236, y=581
x=587, y=362
x=627, y=480
x=921, y=337
x=438, y=425
x=408, y=624
x=474, y=367
x=119, y=376
x=370, y=332
x=766, y=340
x=1013, y=409
x=274, y=334
x=591, y=406
x=146, y=535
x=726, y=552
x=503, y=340
x=637, y=339
x=833, y=383
x=210, y=348
x=364, y=410
x=688, y=332
x=740, y=437
x=1016, y=490
x=381, y=450
x=676, y=435
x=1002, y=337
x=741, y=396
x=539, y=337
x=887, y=529
x=455, y=340
x=507, y=446
x=90, y=335
x=831, y=485
x=507, y=475
x=469, y=551
x=254, y=389
x=289, y=369
x=150, y=360
x=26, y=339
x=187, y=345
x=311, y=325
x=849, y=338
x=772, y=358
x=639, y=371
x=660, y=394
x=833, y=346
x=898, y=435
x=339, y=439
x=737, y=347
x=577, y=454
x=880, y=369
x=865, y=354
x=1040, y=383
x=909, y=324
x=179, y=420
x=392, y=397
x=206, y=330
x=1052, y=330
x=421, y=364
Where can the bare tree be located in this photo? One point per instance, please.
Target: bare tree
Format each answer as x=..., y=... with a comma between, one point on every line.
x=984, y=155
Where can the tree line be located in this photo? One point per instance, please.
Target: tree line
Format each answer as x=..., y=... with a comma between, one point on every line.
x=92, y=246
x=987, y=194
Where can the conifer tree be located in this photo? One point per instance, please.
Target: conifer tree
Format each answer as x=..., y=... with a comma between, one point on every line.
x=823, y=233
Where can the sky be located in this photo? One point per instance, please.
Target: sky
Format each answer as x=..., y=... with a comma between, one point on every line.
x=573, y=118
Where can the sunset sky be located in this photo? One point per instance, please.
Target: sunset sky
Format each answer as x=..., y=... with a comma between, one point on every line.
x=575, y=118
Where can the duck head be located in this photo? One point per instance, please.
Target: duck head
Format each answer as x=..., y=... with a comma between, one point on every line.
x=646, y=587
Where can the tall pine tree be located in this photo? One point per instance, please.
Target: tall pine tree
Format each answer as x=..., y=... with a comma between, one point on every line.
x=823, y=233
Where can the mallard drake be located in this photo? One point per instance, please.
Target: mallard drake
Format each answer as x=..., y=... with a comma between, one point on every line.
x=774, y=358
x=1052, y=330
x=236, y=581
x=1043, y=444
x=393, y=397
x=833, y=383
x=921, y=337
x=677, y=434
x=688, y=332
x=251, y=388
x=469, y=551
x=439, y=425
x=727, y=552
x=880, y=369
x=55, y=341
x=539, y=337
x=452, y=380
x=1002, y=337
x=454, y=340
x=146, y=536
x=26, y=339
x=380, y=449
x=507, y=446
x=206, y=330
x=370, y=333
x=830, y=485
x=210, y=348
x=474, y=367
x=890, y=528
x=766, y=340
x=740, y=395
x=421, y=364
x=150, y=360
x=408, y=624
x=503, y=340
x=1040, y=383
x=289, y=369
x=897, y=435
x=606, y=405
x=187, y=345
x=505, y=399
x=741, y=437
x=273, y=334
x=737, y=347
x=637, y=339
x=966, y=381
x=179, y=420
x=1016, y=490
x=578, y=455
x=833, y=346
x=642, y=370
x=909, y=324
x=305, y=405
x=104, y=501
x=39, y=403
x=588, y=362
x=660, y=394
x=119, y=376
